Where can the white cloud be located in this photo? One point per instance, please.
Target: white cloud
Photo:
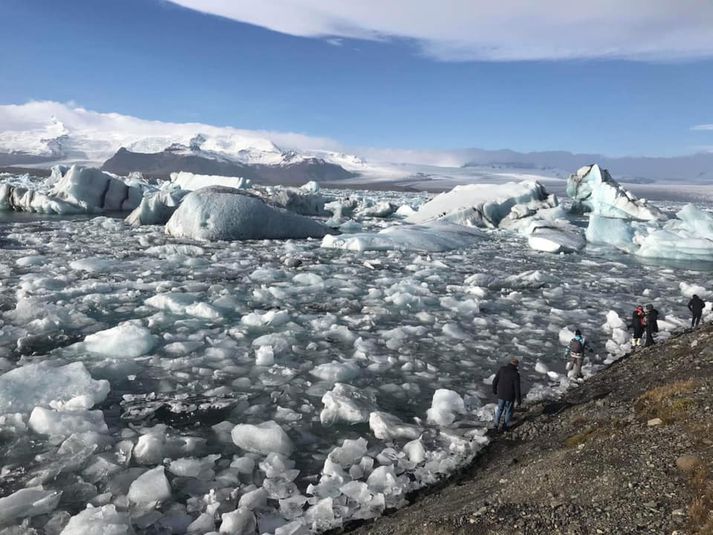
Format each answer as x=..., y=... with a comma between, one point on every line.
x=702, y=127
x=504, y=30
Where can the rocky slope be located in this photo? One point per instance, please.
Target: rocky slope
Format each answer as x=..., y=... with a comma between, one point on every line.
x=629, y=451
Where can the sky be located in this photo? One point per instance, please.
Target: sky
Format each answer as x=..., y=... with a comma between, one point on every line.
x=528, y=76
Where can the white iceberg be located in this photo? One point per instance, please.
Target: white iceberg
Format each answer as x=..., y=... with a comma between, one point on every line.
x=77, y=190
x=434, y=237
x=611, y=231
x=484, y=205
x=192, y=181
x=595, y=190
x=217, y=213
x=156, y=208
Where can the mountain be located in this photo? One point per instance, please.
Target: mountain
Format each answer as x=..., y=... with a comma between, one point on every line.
x=691, y=168
x=40, y=134
x=179, y=158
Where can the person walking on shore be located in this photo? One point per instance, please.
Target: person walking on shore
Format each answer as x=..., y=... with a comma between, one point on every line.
x=696, y=306
x=506, y=386
x=637, y=325
x=651, y=324
x=575, y=351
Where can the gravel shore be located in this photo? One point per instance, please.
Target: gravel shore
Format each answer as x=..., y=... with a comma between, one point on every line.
x=628, y=451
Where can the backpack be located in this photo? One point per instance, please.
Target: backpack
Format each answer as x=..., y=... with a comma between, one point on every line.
x=576, y=346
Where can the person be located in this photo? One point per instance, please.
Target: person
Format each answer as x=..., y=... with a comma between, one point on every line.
x=651, y=324
x=696, y=306
x=637, y=324
x=575, y=350
x=506, y=386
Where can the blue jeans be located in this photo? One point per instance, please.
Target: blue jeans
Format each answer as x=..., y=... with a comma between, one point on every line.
x=504, y=409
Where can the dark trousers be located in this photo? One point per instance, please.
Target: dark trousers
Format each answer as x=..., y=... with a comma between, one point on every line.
x=649, y=338
x=696, y=320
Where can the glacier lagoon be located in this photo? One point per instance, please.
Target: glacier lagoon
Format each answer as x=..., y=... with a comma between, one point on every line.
x=203, y=357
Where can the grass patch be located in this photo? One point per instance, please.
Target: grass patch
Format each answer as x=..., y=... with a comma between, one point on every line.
x=700, y=512
x=596, y=430
x=667, y=402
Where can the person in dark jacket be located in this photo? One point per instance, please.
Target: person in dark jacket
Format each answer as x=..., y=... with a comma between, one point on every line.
x=651, y=325
x=696, y=306
x=506, y=386
x=637, y=325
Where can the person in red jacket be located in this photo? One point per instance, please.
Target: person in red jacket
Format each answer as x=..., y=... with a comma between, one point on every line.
x=506, y=386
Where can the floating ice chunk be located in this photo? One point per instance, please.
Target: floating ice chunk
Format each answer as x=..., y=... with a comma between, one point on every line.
x=156, y=208
x=386, y=426
x=103, y=520
x=554, y=237
x=595, y=189
x=264, y=356
x=336, y=371
x=435, y=237
x=205, y=523
x=273, y=318
x=483, y=205
x=126, y=340
x=616, y=232
x=184, y=180
x=320, y=517
x=93, y=265
x=26, y=503
x=541, y=367
x=77, y=190
x=174, y=302
x=192, y=467
x=64, y=423
x=445, y=406
x=346, y=403
x=296, y=527
x=380, y=209
x=238, y=522
x=41, y=384
x=149, y=487
x=689, y=290
x=415, y=451
x=262, y=438
x=673, y=244
x=255, y=499
x=216, y=213
x=349, y=453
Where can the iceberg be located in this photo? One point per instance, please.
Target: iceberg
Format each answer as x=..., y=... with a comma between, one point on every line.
x=594, y=190
x=191, y=181
x=611, y=231
x=75, y=190
x=484, y=205
x=433, y=237
x=219, y=213
x=156, y=208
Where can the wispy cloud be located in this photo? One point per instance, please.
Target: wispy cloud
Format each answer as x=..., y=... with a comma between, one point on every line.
x=507, y=30
x=702, y=127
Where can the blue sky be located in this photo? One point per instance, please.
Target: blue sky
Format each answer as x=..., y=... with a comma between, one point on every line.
x=156, y=60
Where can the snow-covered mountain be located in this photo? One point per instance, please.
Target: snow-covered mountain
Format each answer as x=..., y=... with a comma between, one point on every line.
x=44, y=133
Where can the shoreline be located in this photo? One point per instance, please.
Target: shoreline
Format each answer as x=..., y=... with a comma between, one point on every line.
x=557, y=469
